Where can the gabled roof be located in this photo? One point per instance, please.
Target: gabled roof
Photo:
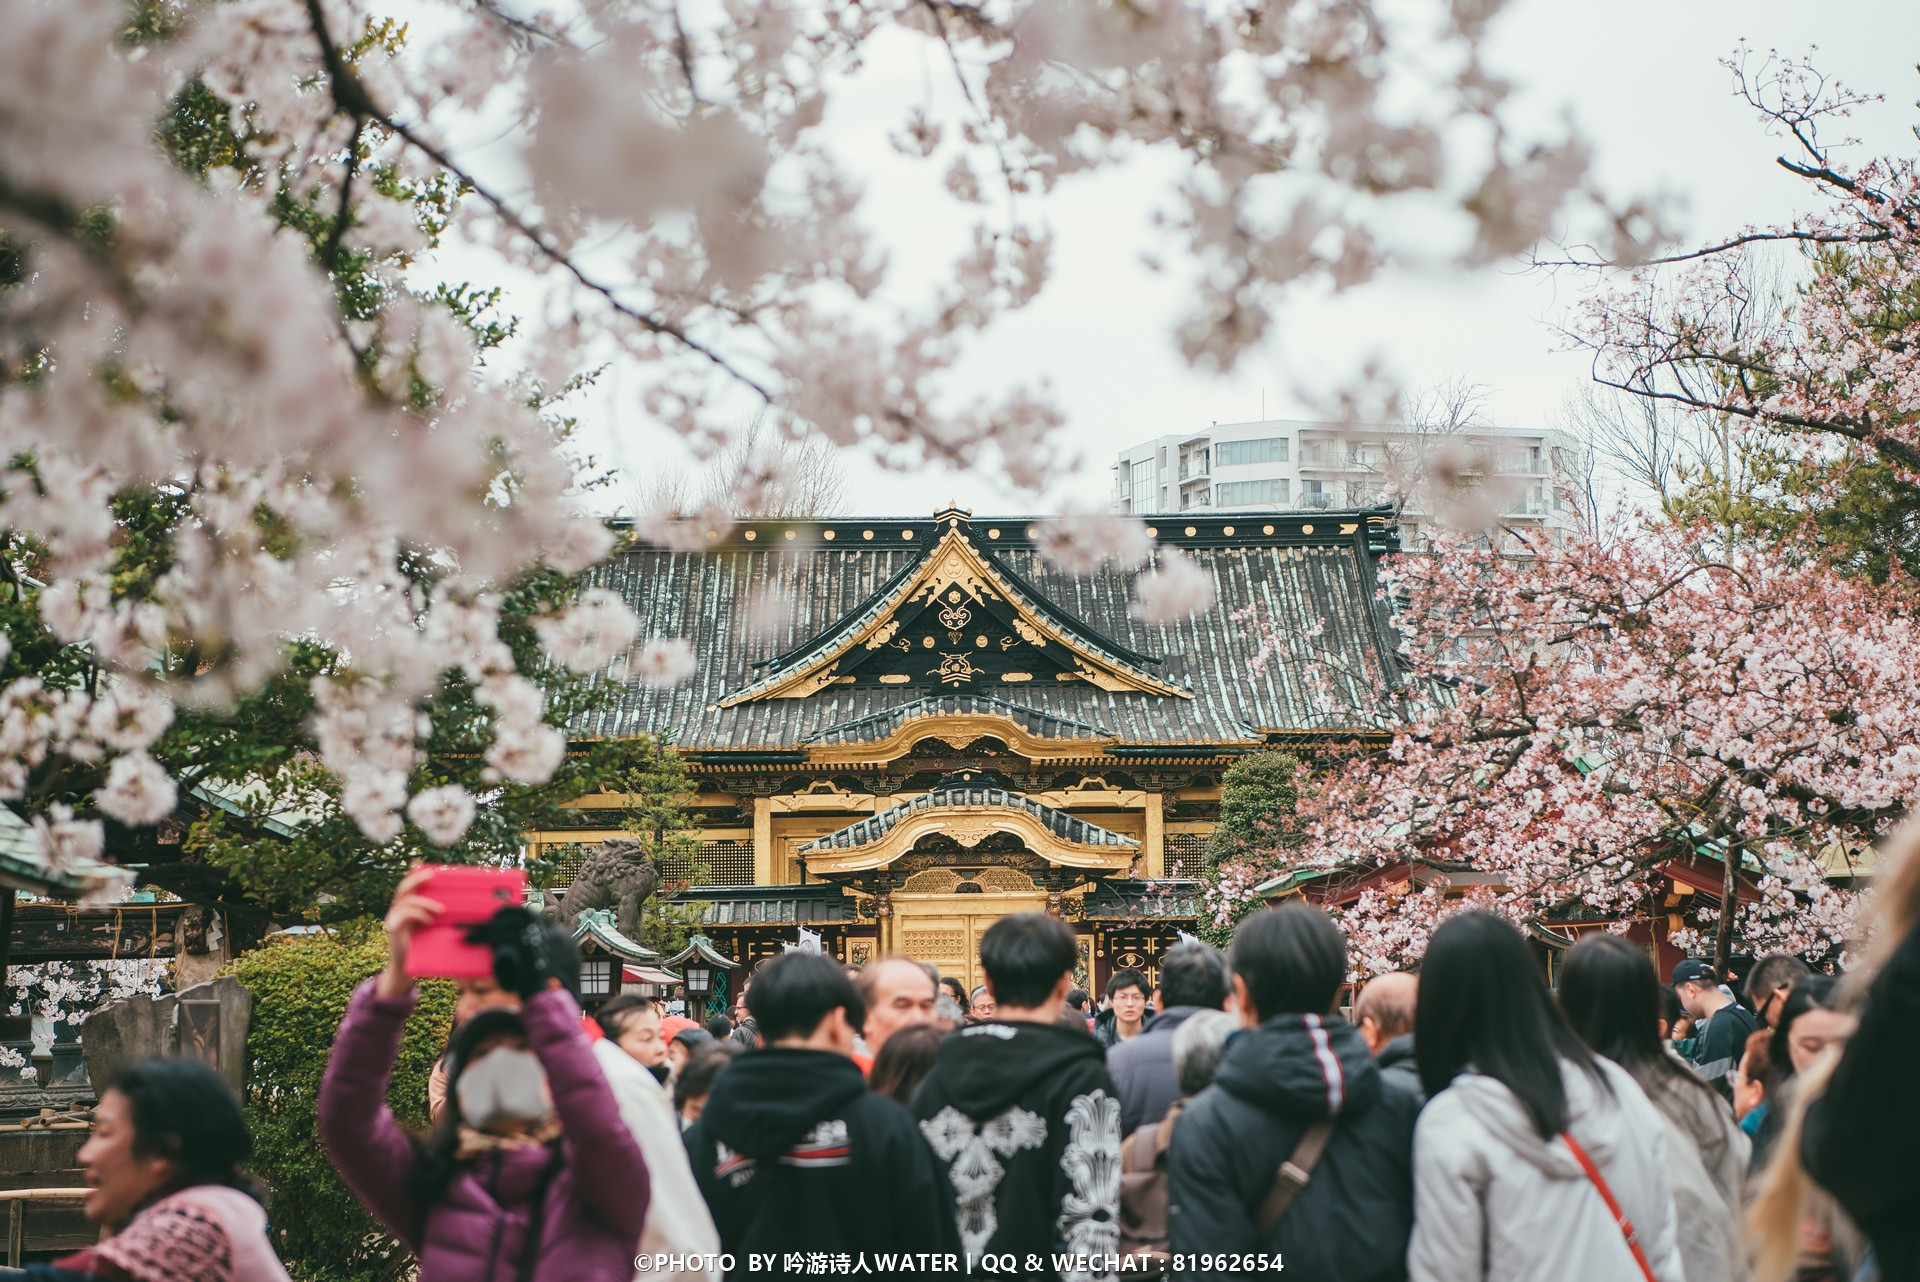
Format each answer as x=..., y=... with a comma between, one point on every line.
x=878, y=725
x=701, y=949
x=1332, y=676
x=949, y=599
x=597, y=924
x=953, y=793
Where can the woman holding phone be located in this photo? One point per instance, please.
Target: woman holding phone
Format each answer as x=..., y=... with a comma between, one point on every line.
x=529, y=1175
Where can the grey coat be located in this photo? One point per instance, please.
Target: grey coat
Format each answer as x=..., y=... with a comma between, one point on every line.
x=1707, y=1166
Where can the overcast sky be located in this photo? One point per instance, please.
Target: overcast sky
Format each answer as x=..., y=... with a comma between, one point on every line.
x=1639, y=76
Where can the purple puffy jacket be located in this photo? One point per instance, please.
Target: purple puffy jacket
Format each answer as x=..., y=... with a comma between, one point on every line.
x=476, y=1232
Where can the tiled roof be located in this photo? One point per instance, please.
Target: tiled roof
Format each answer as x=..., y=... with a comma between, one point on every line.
x=1172, y=897
x=1314, y=574
x=599, y=923
x=1059, y=822
x=699, y=949
x=770, y=905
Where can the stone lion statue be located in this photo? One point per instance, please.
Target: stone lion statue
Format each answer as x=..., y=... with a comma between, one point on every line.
x=618, y=876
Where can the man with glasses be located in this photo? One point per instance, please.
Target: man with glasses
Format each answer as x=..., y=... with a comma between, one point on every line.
x=1769, y=982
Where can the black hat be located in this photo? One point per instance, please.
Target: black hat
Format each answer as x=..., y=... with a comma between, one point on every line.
x=1693, y=971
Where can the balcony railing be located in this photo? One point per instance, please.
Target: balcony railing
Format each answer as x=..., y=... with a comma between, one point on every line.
x=1321, y=500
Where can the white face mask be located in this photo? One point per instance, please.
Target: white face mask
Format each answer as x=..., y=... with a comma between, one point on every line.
x=503, y=1085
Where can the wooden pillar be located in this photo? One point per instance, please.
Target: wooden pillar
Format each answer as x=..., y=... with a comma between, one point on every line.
x=6, y=934
x=1156, y=844
x=763, y=874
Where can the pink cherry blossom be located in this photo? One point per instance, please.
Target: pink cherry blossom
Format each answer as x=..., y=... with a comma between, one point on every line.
x=444, y=813
x=1175, y=589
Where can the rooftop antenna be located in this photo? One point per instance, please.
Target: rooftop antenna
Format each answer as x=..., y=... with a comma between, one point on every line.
x=1263, y=405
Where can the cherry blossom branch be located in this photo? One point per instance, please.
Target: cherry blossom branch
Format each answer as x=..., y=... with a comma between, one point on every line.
x=352, y=96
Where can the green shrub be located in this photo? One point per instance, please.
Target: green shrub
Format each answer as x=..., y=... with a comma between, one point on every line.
x=300, y=989
x=1257, y=833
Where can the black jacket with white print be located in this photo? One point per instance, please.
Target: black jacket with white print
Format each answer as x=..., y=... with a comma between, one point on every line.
x=1027, y=1123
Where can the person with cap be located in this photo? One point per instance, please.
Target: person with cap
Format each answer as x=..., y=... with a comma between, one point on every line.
x=684, y=1045
x=1722, y=1024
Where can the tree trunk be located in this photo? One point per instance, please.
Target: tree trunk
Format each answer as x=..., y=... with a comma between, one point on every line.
x=1729, y=909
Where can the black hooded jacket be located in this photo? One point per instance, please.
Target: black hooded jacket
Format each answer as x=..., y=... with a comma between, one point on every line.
x=792, y=1153
x=1352, y=1220
x=1397, y=1064
x=1026, y=1122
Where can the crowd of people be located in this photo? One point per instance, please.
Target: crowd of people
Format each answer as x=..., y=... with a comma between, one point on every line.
x=1239, y=1113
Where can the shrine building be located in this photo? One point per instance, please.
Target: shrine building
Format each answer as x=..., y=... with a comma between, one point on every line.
x=903, y=730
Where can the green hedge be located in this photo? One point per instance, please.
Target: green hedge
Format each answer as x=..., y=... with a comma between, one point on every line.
x=300, y=989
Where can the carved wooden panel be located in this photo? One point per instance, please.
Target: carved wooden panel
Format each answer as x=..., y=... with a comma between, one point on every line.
x=934, y=945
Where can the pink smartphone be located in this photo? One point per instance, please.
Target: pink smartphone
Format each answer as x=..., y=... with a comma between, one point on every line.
x=467, y=896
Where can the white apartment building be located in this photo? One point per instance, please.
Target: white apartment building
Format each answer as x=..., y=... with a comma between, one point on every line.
x=1522, y=478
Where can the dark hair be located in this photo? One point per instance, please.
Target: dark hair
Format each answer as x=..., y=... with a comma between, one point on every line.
x=1670, y=1008
x=1194, y=974
x=1610, y=994
x=793, y=992
x=1292, y=958
x=614, y=1017
x=958, y=989
x=1121, y=980
x=1077, y=999
x=720, y=1028
x=438, y=1150
x=184, y=1111
x=1814, y=992
x=1025, y=957
x=1759, y=1049
x=1484, y=1003
x=1775, y=970
x=904, y=1061
x=697, y=1075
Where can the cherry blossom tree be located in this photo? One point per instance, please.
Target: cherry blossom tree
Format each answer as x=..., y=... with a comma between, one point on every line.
x=1577, y=719
x=1830, y=373
x=233, y=328
x=1705, y=681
